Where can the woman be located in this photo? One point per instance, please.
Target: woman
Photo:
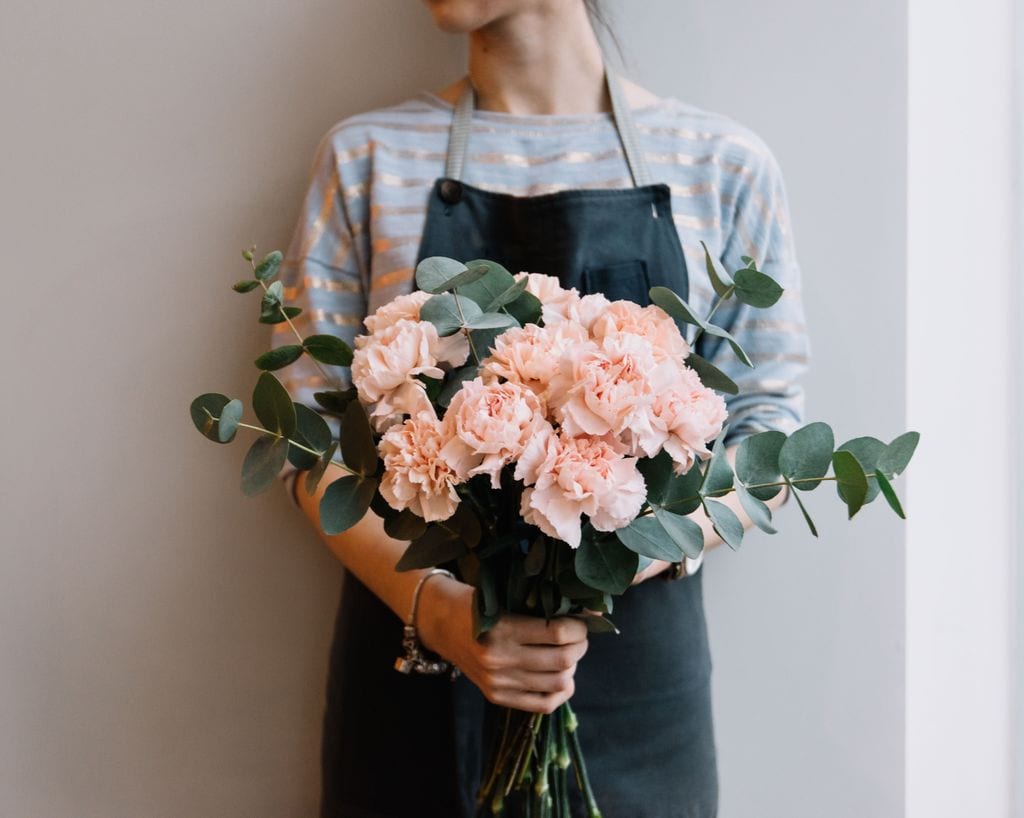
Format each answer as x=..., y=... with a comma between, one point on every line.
x=541, y=159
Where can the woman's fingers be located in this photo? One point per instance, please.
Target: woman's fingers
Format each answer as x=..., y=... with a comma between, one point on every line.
x=534, y=630
x=532, y=702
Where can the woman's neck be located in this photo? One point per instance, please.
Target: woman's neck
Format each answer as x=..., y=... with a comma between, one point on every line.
x=540, y=61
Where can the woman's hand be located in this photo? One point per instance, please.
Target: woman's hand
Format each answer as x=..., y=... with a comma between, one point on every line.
x=522, y=662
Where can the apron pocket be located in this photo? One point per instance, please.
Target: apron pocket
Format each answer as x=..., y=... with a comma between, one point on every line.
x=623, y=280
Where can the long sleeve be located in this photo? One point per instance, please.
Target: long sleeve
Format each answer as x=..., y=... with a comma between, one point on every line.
x=775, y=338
x=322, y=275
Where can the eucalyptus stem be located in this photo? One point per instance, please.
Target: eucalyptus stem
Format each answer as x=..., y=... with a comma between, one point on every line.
x=724, y=492
x=714, y=308
x=465, y=329
x=296, y=445
x=581, y=767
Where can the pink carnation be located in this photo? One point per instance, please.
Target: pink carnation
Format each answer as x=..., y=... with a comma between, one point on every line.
x=488, y=425
x=650, y=322
x=607, y=387
x=687, y=417
x=416, y=474
x=529, y=355
x=386, y=363
x=405, y=307
x=571, y=476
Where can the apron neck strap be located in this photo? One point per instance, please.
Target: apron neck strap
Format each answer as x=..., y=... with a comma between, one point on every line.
x=462, y=120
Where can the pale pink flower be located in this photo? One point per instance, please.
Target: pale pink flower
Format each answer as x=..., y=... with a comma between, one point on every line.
x=687, y=416
x=529, y=355
x=571, y=476
x=488, y=425
x=607, y=387
x=405, y=307
x=650, y=322
x=386, y=363
x=417, y=476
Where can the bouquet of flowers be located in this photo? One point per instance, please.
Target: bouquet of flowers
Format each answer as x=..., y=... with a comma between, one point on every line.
x=542, y=444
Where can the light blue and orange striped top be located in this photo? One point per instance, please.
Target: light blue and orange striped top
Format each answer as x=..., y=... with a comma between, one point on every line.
x=359, y=227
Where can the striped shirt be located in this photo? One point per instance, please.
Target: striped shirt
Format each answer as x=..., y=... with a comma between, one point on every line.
x=355, y=244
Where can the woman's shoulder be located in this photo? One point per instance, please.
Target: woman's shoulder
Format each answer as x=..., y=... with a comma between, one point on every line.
x=407, y=120
x=705, y=134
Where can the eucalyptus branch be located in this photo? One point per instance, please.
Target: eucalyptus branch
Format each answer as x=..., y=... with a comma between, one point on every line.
x=292, y=443
x=714, y=496
x=336, y=384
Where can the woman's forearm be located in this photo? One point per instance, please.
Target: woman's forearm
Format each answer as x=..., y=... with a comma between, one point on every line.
x=371, y=555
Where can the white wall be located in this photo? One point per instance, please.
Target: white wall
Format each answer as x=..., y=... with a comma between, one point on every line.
x=163, y=639
x=963, y=328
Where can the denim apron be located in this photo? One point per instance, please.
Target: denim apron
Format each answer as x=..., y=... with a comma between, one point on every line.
x=399, y=746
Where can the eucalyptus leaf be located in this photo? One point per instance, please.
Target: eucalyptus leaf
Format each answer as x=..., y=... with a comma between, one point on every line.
x=449, y=312
x=898, y=453
x=757, y=461
x=526, y=309
x=205, y=410
x=273, y=405
x=867, y=450
x=759, y=514
x=336, y=401
x=606, y=564
x=718, y=477
x=454, y=380
x=436, y=546
x=328, y=349
x=358, y=449
x=683, y=531
x=268, y=267
x=717, y=331
x=726, y=523
x=675, y=306
x=720, y=281
x=851, y=477
x=647, y=537
x=345, y=502
x=508, y=296
x=279, y=357
x=806, y=455
x=230, y=416
x=405, y=525
x=464, y=524
x=312, y=432
x=596, y=624
x=710, y=375
x=245, y=285
x=492, y=320
x=264, y=460
x=434, y=273
x=803, y=509
x=889, y=493
x=678, y=493
x=316, y=473
x=493, y=283
x=756, y=289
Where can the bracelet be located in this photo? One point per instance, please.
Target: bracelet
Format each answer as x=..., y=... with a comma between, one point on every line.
x=687, y=568
x=414, y=658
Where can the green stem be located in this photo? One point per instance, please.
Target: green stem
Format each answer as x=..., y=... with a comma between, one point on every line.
x=465, y=329
x=296, y=445
x=714, y=308
x=718, y=494
x=581, y=767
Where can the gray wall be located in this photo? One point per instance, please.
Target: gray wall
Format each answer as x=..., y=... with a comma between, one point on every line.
x=808, y=635
x=163, y=639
